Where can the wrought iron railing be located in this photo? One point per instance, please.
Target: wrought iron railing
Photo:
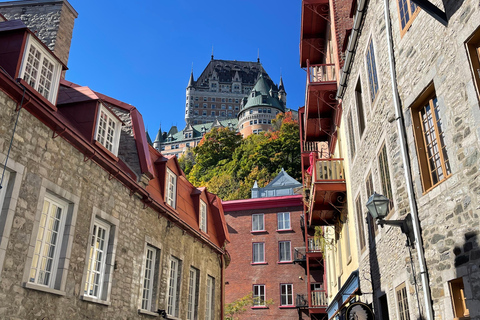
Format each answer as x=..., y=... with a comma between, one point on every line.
x=318, y=73
x=301, y=301
x=315, y=244
x=299, y=254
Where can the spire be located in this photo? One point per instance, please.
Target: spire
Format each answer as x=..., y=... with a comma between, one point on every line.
x=149, y=140
x=159, y=137
x=191, y=81
x=258, y=55
x=280, y=85
x=212, y=52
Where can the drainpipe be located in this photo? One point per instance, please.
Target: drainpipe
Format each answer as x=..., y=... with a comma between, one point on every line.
x=407, y=171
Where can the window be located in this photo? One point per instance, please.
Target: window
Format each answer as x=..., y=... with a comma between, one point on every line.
x=284, y=251
x=108, y=130
x=371, y=223
x=213, y=99
x=171, y=192
x=430, y=142
x=385, y=175
x=203, y=216
x=457, y=293
x=283, y=221
x=48, y=242
x=402, y=302
x=40, y=70
x=150, y=278
x=269, y=110
x=351, y=136
x=258, y=252
x=204, y=113
x=213, y=106
x=259, y=110
x=359, y=102
x=286, y=294
x=213, y=113
x=204, y=99
x=174, y=283
x=209, y=301
x=372, y=71
x=205, y=105
x=100, y=259
x=408, y=11
x=193, y=289
x=259, y=295
x=258, y=222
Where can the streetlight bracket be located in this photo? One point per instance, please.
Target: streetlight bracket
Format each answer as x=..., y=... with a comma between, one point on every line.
x=405, y=225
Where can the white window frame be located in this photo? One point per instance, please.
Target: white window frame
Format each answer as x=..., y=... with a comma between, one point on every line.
x=60, y=266
x=284, y=251
x=92, y=289
x=287, y=295
x=150, y=274
x=171, y=189
x=258, y=252
x=203, y=216
x=173, y=288
x=259, y=298
x=193, y=292
x=282, y=221
x=45, y=55
x=102, y=138
x=38, y=275
x=258, y=224
x=210, y=299
x=108, y=223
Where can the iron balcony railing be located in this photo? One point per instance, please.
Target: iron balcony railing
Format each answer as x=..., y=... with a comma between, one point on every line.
x=301, y=301
x=329, y=170
x=300, y=254
x=318, y=73
x=319, y=298
x=314, y=245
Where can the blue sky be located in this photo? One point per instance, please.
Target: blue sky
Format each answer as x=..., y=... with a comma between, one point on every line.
x=141, y=52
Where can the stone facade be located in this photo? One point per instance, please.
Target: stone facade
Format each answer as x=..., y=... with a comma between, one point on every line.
x=429, y=57
x=90, y=233
x=52, y=21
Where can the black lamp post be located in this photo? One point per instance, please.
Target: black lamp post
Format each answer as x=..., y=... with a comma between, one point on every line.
x=377, y=206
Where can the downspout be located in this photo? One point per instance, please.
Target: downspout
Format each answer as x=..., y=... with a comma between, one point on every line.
x=407, y=171
x=352, y=44
x=222, y=287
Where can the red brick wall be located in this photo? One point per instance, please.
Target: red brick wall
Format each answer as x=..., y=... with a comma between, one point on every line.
x=241, y=275
x=342, y=23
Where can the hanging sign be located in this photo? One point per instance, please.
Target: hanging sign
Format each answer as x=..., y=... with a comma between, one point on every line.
x=359, y=311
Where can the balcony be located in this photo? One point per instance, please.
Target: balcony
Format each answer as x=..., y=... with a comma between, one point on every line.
x=301, y=301
x=319, y=299
x=315, y=21
x=300, y=255
x=321, y=109
x=327, y=191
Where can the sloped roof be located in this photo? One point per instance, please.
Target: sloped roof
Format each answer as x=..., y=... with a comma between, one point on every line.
x=198, y=129
x=262, y=97
x=248, y=72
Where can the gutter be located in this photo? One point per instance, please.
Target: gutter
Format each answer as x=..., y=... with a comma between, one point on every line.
x=408, y=178
x=351, y=48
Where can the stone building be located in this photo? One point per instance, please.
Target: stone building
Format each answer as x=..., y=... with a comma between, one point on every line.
x=94, y=222
x=409, y=95
x=267, y=251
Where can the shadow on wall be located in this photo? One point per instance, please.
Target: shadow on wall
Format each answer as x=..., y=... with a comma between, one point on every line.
x=465, y=289
x=451, y=6
x=231, y=230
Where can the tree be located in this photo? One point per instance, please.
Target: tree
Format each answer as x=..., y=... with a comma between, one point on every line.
x=239, y=306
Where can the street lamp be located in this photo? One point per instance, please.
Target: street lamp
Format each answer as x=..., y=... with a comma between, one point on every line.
x=377, y=206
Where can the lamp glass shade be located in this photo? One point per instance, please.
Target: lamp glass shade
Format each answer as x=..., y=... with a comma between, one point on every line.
x=377, y=205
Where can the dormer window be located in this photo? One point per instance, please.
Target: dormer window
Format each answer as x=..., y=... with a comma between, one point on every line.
x=203, y=216
x=108, y=130
x=40, y=70
x=171, y=190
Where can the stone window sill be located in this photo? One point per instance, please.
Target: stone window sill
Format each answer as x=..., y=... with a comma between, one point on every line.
x=34, y=286
x=95, y=300
x=149, y=313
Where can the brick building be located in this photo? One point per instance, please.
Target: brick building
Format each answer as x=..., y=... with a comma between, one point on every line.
x=266, y=241
x=408, y=98
x=94, y=222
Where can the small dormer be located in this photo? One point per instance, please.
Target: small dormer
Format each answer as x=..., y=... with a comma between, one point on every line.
x=107, y=129
x=23, y=55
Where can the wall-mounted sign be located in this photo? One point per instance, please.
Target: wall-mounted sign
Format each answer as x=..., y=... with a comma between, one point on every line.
x=359, y=311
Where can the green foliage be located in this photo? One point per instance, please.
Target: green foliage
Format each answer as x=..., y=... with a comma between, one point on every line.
x=229, y=165
x=239, y=306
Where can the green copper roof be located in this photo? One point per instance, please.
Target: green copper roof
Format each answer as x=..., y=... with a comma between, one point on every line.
x=260, y=96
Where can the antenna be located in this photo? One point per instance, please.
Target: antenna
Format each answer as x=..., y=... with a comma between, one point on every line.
x=212, y=52
x=258, y=55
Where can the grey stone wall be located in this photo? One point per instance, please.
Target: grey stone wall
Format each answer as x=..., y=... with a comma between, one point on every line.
x=428, y=53
x=51, y=21
x=56, y=161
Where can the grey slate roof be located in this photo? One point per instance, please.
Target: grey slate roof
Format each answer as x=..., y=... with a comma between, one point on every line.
x=199, y=129
x=282, y=185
